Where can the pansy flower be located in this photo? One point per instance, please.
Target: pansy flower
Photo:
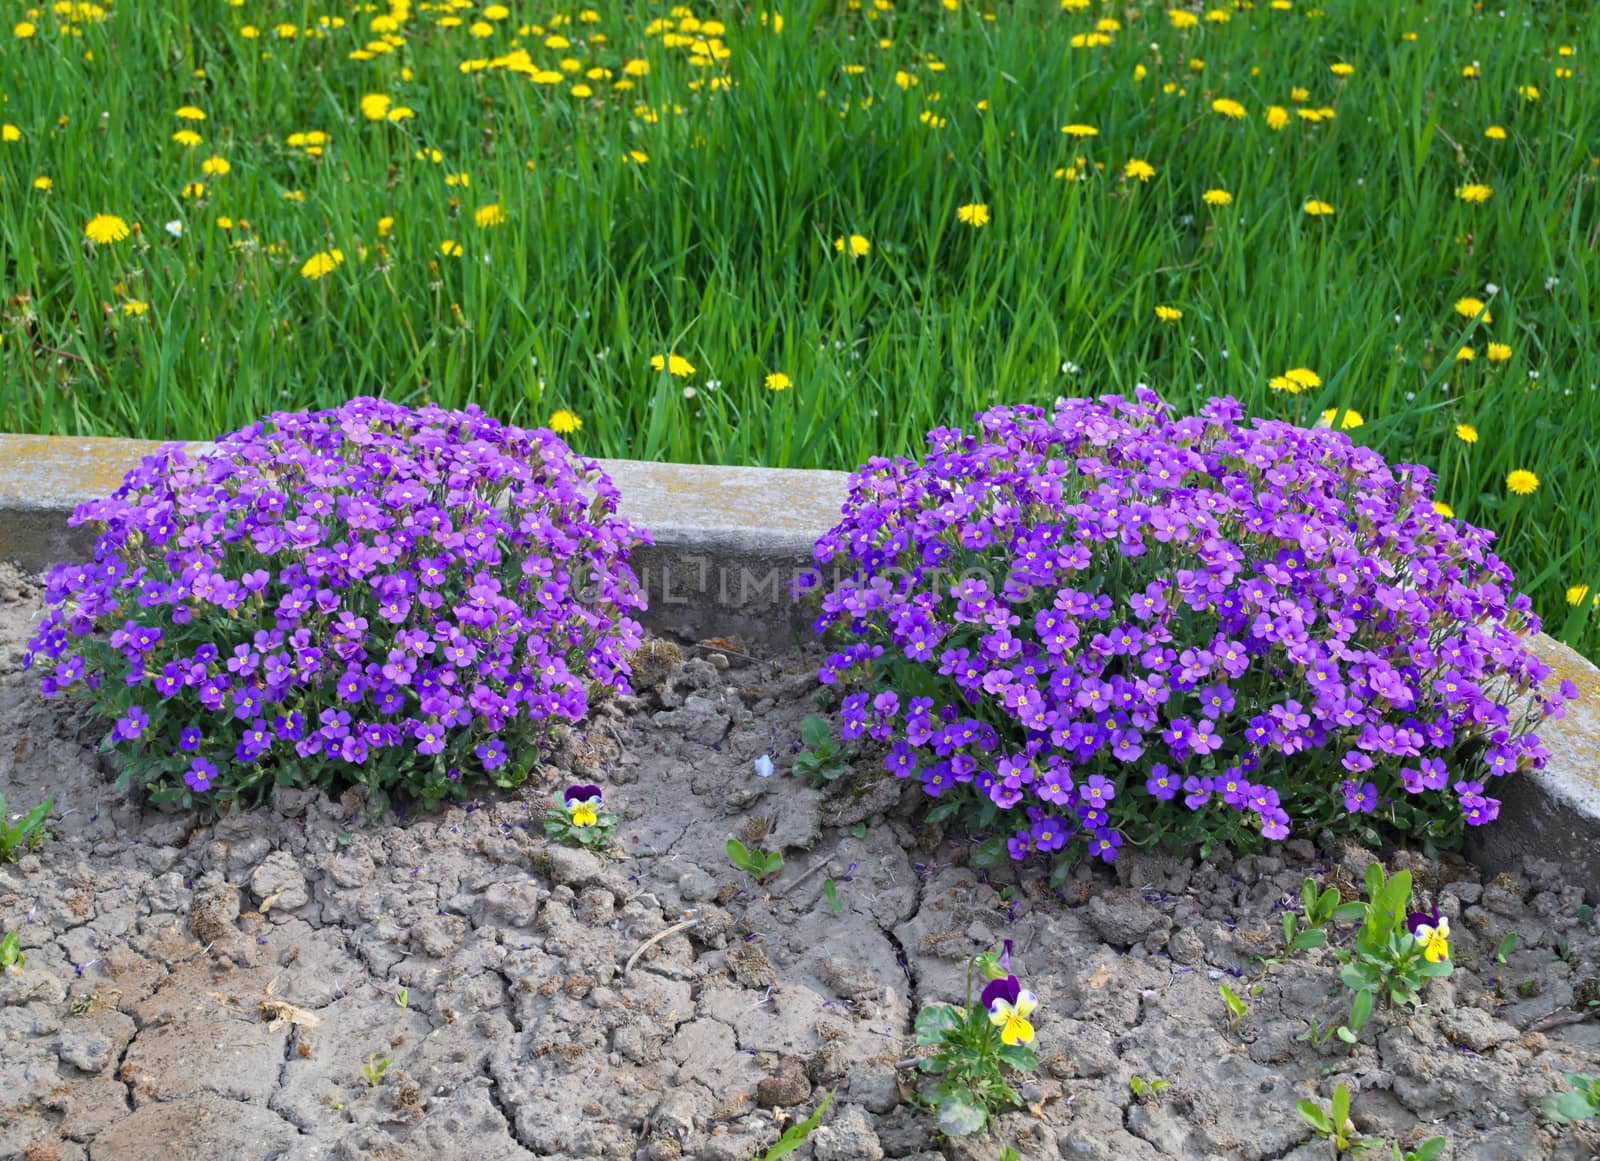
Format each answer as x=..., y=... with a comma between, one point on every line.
x=1009, y=1007
x=583, y=804
x=1432, y=931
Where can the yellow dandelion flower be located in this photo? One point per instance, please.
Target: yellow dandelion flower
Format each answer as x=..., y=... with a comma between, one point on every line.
x=858, y=246
x=375, y=106
x=1181, y=19
x=1522, y=482
x=188, y=138
x=565, y=422
x=1168, y=314
x=490, y=215
x=1466, y=355
x=1080, y=130
x=1528, y=92
x=778, y=381
x=400, y=113
x=1139, y=168
x=1443, y=509
x=1277, y=117
x=105, y=229
x=1318, y=209
x=975, y=215
x=1495, y=133
x=322, y=264
x=1352, y=418
x=638, y=156
x=215, y=166
x=672, y=364
x=1341, y=69
x=1466, y=433
x=42, y=182
x=10, y=133
x=1498, y=352
x=195, y=189
x=1470, y=307
x=1229, y=108
x=134, y=308
x=190, y=113
x=1474, y=192
x=1217, y=197
x=1304, y=376
x=450, y=248
x=385, y=225
x=24, y=29
x=1576, y=594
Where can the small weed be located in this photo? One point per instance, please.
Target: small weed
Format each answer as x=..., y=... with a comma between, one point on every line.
x=1237, y=1007
x=831, y=890
x=403, y=999
x=795, y=1135
x=824, y=757
x=11, y=957
x=859, y=830
x=375, y=1068
x=26, y=834
x=1507, y=946
x=1395, y=953
x=1581, y=1102
x=1333, y=1123
x=1147, y=1090
x=759, y=865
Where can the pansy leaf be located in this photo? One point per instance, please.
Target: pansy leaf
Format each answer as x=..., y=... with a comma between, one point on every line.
x=1307, y=940
x=960, y=1116
x=935, y=1021
x=1020, y=1058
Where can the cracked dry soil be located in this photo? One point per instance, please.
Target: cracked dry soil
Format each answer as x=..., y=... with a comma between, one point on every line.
x=231, y=988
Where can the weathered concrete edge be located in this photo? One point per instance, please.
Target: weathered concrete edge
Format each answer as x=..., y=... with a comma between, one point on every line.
x=729, y=541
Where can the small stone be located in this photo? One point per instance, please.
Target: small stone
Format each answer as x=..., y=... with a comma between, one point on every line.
x=1186, y=947
x=673, y=1115
x=1122, y=918
x=510, y=904
x=847, y=1136
x=874, y=1086
x=787, y=1086
x=214, y=913
x=278, y=884
x=575, y=867
x=88, y=1052
x=1475, y=1029
x=851, y=980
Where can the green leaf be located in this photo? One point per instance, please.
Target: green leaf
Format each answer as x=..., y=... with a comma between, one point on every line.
x=1345, y=1034
x=795, y=1135
x=1307, y=940
x=739, y=854
x=1430, y=1148
x=960, y=1116
x=1339, y=1110
x=935, y=1022
x=832, y=892
x=1020, y=1058
x=1361, y=1009
x=859, y=830
x=1374, y=880
x=1314, y=1116
x=1507, y=945
x=815, y=730
x=1349, y=912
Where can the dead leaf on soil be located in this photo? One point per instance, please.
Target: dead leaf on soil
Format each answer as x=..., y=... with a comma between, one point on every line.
x=280, y=1012
x=1102, y=974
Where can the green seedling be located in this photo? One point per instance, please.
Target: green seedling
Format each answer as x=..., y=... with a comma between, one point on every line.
x=1388, y=961
x=859, y=830
x=403, y=999
x=1579, y=1103
x=795, y=1135
x=1237, y=1007
x=1143, y=1088
x=1507, y=946
x=831, y=890
x=1333, y=1123
x=375, y=1069
x=824, y=757
x=26, y=833
x=759, y=865
x=1427, y=1151
x=11, y=957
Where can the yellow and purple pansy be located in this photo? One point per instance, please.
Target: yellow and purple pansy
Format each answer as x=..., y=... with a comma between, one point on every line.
x=1432, y=931
x=583, y=804
x=1010, y=1005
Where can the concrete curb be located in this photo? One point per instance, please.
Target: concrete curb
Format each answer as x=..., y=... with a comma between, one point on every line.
x=730, y=541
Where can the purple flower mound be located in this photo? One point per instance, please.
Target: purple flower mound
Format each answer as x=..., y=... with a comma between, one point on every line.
x=373, y=594
x=1106, y=622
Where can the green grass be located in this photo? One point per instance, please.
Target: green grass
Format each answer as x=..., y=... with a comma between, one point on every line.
x=719, y=248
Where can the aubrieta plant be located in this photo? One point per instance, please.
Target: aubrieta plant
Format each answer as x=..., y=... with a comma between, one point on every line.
x=582, y=818
x=372, y=595
x=974, y=1046
x=1106, y=624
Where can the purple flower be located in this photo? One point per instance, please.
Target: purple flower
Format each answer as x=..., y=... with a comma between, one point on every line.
x=200, y=774
x=131, y=725
x=1359, y=797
